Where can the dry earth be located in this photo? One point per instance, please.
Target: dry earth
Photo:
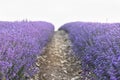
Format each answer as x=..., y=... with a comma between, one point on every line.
x=57, y=61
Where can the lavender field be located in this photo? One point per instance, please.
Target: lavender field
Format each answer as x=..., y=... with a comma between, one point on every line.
x=97, y=45
x=20, y=44
x=32, y=50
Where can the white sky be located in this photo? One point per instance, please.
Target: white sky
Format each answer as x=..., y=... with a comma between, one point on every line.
x=59, y=12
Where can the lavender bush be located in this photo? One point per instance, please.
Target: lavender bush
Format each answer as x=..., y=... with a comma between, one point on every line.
x=20, y=44
x=98, y=47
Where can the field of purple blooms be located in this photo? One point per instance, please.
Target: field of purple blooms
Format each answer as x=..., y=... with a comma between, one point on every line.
x=97, y=45
x=20, y=44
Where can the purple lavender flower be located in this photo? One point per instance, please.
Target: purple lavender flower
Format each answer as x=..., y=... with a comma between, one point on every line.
x=20, y=44
x=97, y=45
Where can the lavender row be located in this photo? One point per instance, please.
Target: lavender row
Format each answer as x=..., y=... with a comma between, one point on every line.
x=97, y=45
x=20, y=44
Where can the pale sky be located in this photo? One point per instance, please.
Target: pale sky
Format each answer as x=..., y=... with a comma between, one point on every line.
x=59, y=12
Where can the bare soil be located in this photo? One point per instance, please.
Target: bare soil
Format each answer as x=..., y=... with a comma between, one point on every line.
x=58, y=62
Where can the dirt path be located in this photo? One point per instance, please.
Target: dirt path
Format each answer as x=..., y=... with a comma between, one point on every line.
x=57, y=62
